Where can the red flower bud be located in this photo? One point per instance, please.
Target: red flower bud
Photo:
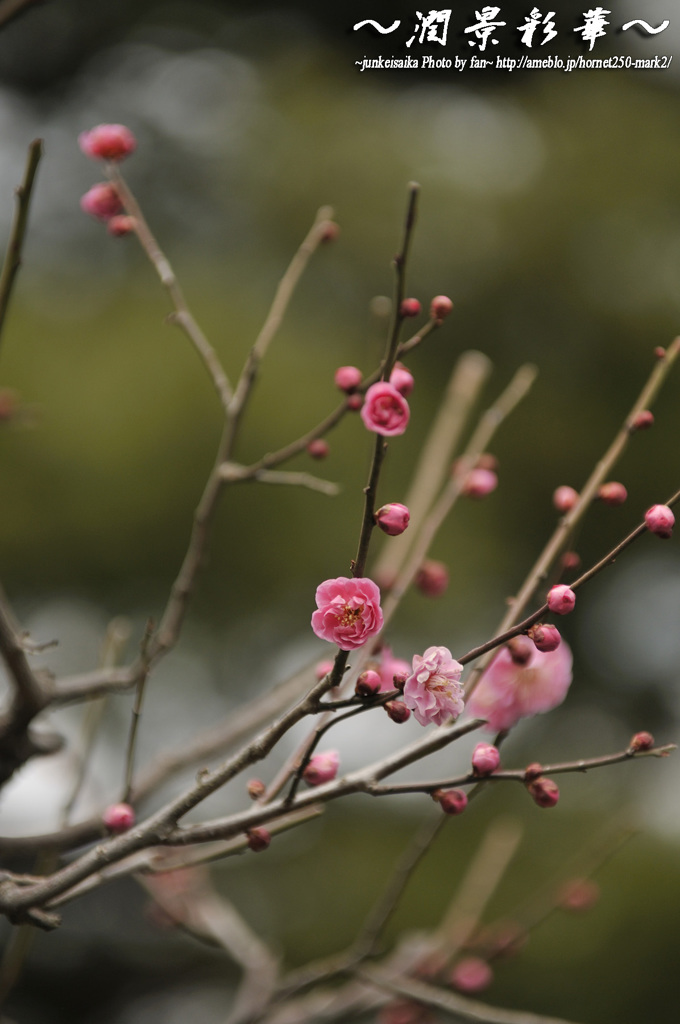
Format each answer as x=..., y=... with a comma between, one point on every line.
x=642, y=741
x=393, y=518
x=256, y=788
x=485, y=759
x=660, y=520
x=368, y=683
x=440, y=307
x=643, y=421
x=409, y=307
x=119, y=817
x=432, y=578
x=258, y=839
x=397, y=711
x=318, y=448
x=561, y=599
x=612, y=493
x=354, y=402
x=451, y=801
x=544, y=792
x=546, y=637
x=564, y=498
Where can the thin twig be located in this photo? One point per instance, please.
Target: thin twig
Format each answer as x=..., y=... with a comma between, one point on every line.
x=20, y=222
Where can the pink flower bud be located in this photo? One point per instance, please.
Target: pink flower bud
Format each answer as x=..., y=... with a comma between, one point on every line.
x=451, y=801
x=643, y=421
x=432, y=578
x=642, y=741
x=402, y=380
x=533, y=771
x=404, y=1011
x=121, y=225
x=368, y=684
x=612, y=493
x=660, y=352
x=579, y=894
x=660, y=520
x=107, y=142
x=9, y=403
x=561, y=599
x=348, y=378
x=256, y=788
x=440, y=307
x=258, y=839
x=409, y=307
x=321, y=768
x=393, y=518
x=397, y=711
x=330, y=231
x=354, y=402
x=472, y=974
x=521, y=649
x=570, y=560
x=322, y=668
x=101, y=201
x=564, y=498
x=318, y=448
x=385, y=410
x=485, y=759
x=119, y=817
x=544, y=792
x=479, y=482
x=545, y=637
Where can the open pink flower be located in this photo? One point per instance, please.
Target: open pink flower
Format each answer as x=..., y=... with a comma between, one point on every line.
x=385, y=411
x=349, y=612
x=508, y=691
x=433, y=690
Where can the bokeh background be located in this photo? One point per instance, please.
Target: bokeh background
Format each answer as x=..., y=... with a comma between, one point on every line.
x=550, y=213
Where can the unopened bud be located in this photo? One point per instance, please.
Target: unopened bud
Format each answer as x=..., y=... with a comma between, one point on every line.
x=612, y=493
x=393, y=518
x=533, y=771
x=471, y=974
x=485, y=759
x=318, y=448
x=440, y=307
x=579, y=894
x=368, y=683
x=561, y=599
x=330, y=231
x=402, y=379
x=397, y=711
x=348, y=378
x=322, y=668
x=354, y=402
x=107, y=142
x=643, y=420
x=564, y=498
x=642, y=741
x=321, y=768
x=544, y=792
x=660, y=520
x=479, y=482
x=521, y=649
x=258, y=839
x=451, y=801
x=432, y=578
x=121, y=225
x=546, y=637
x=660, y=352
x=119, y=817
x=256, y=788
x=101, y=201
x=409, y=307
x=570, y=560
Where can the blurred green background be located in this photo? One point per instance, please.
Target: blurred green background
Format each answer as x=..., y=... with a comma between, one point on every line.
x=550, y=213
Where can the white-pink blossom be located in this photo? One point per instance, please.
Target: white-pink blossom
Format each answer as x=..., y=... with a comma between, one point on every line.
x=433, y=690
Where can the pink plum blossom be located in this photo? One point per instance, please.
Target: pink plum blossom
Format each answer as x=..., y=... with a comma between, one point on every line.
x=433, y=690
x=348, y=611
x=508, y=691
x=385, y=410
x=391, y=667
x=107, y=142
x=321, y=768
